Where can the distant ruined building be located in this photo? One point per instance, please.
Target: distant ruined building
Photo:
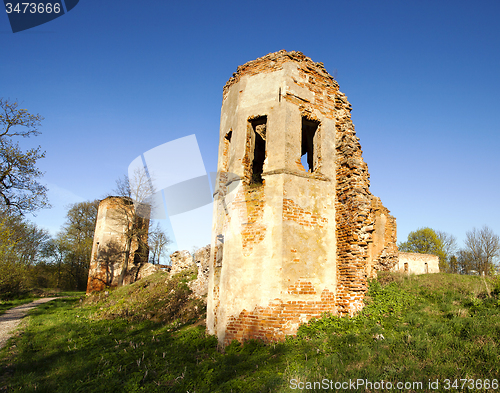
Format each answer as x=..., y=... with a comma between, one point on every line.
x=290, y=240
x=414, y=263
x=119, y=232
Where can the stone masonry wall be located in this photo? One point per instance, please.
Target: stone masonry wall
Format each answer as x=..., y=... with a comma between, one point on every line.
x=359, y=220
x=116, y=216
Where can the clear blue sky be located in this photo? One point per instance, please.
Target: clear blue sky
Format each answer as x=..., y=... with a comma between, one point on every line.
x=115, y=79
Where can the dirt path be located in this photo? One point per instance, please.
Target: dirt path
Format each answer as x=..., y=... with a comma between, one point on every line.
x=12, y=318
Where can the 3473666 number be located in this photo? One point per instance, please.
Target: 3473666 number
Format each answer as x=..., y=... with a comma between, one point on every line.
x=473, y=384
x=33, y=8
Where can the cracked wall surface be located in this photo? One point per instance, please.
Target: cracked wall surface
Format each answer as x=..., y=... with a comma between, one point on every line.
x=300, y=233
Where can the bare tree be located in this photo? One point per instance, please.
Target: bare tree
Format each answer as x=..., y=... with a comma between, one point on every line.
x=136, y=190
x=482, y=249
x=465, y=262
x=449, y=247
x=157, y=241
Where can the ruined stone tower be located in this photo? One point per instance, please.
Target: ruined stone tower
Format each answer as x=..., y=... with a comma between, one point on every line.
x=291, y=238
x=119, y=231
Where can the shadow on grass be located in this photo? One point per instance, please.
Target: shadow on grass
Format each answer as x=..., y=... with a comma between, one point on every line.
x=450, y=331
x=63, y=350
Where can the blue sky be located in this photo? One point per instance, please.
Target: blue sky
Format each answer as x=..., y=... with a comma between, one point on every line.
x=116, y=79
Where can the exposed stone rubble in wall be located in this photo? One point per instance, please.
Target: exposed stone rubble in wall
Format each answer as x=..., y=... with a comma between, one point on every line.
x=140, y=271
x=202, y=260
x=181, y=260
x=352, y=212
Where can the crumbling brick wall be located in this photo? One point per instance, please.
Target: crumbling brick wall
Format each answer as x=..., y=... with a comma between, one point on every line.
x=357, y=214
x=313, y=230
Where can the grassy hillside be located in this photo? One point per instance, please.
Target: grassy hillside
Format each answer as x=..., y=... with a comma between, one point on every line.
x=150, y=337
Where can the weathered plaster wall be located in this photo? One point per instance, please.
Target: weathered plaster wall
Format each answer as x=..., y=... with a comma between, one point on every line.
x=108, y=250
x=414, y=263
x=295, y=244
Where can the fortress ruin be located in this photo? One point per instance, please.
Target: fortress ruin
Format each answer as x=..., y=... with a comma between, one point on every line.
x=120, y=250
x=296, y=231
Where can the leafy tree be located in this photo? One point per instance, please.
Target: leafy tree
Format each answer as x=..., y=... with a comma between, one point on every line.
x=19, y=188
x=453, y=265
x=21, y=245
x=56, y=252
x=425, y=241
x=72, y=247
x=11, y=272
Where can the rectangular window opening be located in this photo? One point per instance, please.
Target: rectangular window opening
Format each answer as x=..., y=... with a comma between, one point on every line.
x=308, y=151
x=226, y=150
x=259, y=148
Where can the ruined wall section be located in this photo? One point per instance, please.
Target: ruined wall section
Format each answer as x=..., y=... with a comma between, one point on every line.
x=116, y=215
x=382, y=249
x=287, y=237
x=352, y=201
x=366, y=232
x=298, y=244
x=415, y=263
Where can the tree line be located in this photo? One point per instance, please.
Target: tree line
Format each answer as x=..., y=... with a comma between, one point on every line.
x=479, y=254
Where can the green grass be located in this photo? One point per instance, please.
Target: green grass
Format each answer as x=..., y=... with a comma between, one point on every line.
x=150, y=337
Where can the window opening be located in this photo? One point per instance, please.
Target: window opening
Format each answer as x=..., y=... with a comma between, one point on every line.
x=406, y=267
x=226, y=150
x=259, y=148
x=308, y=152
